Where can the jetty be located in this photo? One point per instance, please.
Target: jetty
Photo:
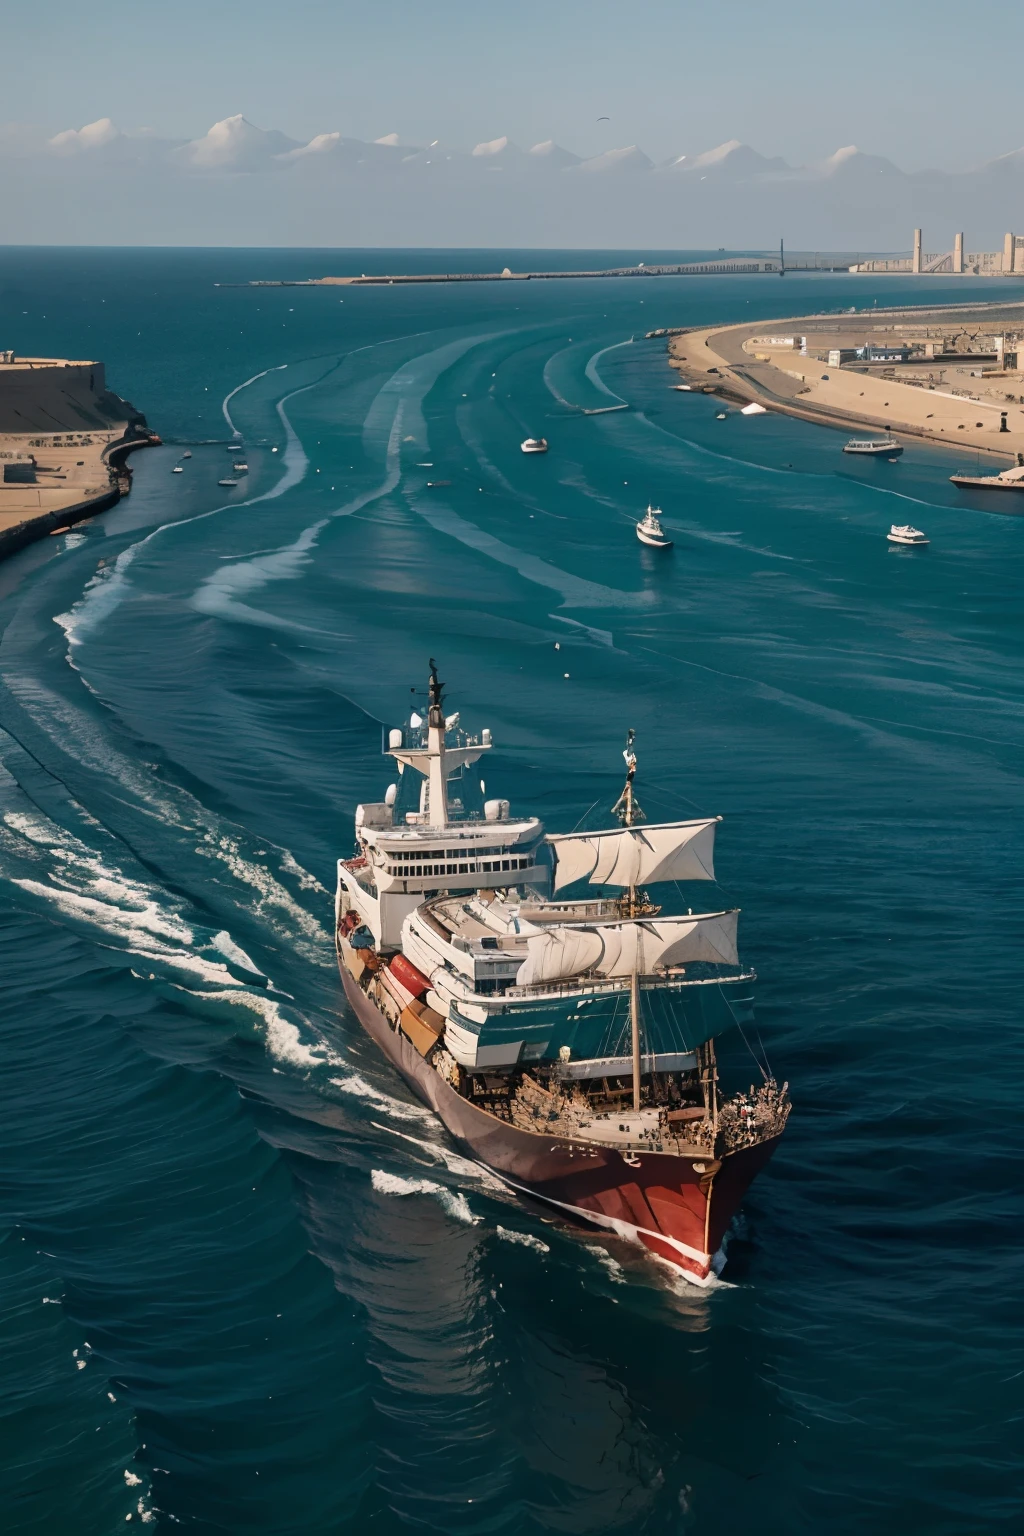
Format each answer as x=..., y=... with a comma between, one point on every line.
x=64, y=441
x=711, y=266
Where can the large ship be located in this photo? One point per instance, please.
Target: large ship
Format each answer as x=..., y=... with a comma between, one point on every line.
x=560, y=1024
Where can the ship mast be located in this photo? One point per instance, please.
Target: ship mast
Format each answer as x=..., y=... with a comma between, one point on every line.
x=437, y=779
x=628, y=811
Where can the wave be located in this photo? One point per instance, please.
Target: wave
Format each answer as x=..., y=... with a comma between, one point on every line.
x=524, y=1239
x=612, y=1268
x=576, y=591
x=177, y=809
x=455, y=1204
x=596, y=379
x=238, y=390
x=357, y=1087
x=219, y=593
x=107, y=590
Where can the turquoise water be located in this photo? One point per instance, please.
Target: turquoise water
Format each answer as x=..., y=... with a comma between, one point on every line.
x=294, y=1307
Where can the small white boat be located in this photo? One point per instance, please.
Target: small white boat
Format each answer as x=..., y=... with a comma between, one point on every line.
x=683, y=388
x=649, y=530
x=875, y=447
x=721, y=415
x=534, y=445
x=187, y=454
x=227, y=482
x=240, y=468
x=905, y=533
x=177, y=470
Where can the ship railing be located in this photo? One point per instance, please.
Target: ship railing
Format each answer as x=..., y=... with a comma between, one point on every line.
x=676, y=977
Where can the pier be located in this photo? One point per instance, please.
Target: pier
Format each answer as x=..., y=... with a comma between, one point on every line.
x=723, y=266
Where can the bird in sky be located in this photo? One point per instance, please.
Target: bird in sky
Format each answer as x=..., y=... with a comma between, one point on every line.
x=604, y=119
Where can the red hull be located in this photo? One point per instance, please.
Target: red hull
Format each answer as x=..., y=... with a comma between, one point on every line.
x=678, y=1207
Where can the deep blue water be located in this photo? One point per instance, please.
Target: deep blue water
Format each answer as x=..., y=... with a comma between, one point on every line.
x=247, y=1285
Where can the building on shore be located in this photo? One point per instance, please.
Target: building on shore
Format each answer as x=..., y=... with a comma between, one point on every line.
x=64, y=437
x=1006, y=262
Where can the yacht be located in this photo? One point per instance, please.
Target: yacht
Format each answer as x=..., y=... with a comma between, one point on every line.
x=534, y=445
x=177, y=470
x=875, y=447
x=905, y=533
x=649, y=530
x=1006, y=480
x=187, y=454
x=227, y=482
x=240, y=468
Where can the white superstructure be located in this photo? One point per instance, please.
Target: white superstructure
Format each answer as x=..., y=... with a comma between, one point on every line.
x=434, y=831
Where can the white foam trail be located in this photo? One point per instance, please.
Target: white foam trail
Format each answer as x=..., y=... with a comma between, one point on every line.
x=550, y=386
x=176, y=808
x=452, y=1161
x=575, y=591
x=612, y=1268
x=455, y=1204
x=596, y=379
x=137, y=924
x=307, y=882
x=220, y=593
x=227, y=946
x=106, y=591
x=238, y=390
x=599, y=636
x=525, y=1239
x=358, y=1088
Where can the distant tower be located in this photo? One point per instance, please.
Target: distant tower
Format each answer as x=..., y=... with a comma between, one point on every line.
x=917, y=250
x=958, y=252
x=1009, y=243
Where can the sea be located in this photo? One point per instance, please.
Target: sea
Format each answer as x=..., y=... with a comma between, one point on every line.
x=247, y=1283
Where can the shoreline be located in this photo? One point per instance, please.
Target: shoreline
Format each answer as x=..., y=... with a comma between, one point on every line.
x=718, y=360
x=64, y=444
x=35, y=525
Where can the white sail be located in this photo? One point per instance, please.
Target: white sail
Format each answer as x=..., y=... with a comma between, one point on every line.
x=643, y=855
x=558, y=953
x=615, y=949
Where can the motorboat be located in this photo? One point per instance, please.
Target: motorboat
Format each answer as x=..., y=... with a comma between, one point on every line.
x=240, y=468
x=649, y=530
x=534, y=445
x=1006, y=480
x=187, y=454
x=721, y=415
x=177, y=470
x=874, y=447
x=905, y=533
x=227, y=482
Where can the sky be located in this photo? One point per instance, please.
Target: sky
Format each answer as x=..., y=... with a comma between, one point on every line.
x=909, y=79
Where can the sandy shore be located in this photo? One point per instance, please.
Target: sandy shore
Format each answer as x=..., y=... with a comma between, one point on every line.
x=64, y=439
x=943, y=400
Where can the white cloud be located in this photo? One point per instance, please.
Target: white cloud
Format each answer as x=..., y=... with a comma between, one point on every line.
x=92, y=136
